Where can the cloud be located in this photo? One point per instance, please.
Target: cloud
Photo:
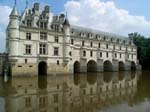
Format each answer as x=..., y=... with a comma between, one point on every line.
x=105, y=16
x=5, y=11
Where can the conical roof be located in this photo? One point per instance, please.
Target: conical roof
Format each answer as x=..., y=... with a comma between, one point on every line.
x=14, y=11
x=66, y=22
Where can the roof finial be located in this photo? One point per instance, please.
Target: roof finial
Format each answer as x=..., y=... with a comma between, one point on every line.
x=15, y=2
x=27, y=2
x=66, y=15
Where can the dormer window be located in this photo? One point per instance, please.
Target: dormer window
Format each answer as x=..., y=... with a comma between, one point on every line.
x=43, y=25
x=55, y=27
x=29, y=23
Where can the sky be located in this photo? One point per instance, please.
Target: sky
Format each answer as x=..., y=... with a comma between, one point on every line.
x=115, y=16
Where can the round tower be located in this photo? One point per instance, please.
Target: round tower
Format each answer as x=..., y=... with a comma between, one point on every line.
x=13, y=32
x=66, y=50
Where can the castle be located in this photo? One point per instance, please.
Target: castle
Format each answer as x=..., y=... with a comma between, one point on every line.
x=38, y=42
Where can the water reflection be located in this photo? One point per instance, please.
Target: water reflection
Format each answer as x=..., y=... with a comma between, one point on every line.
x=68, y=93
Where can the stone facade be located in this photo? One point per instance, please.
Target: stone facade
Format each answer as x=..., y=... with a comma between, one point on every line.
x=40, y=36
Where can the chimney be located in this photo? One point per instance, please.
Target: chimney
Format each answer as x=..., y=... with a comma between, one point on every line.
x=36, y=8
x=62, y=18
x=47, y=9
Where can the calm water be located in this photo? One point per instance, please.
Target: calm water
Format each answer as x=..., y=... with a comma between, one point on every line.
x=102, y=92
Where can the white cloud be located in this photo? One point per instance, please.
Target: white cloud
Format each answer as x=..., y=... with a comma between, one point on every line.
x=5, y=11
x=105, y=16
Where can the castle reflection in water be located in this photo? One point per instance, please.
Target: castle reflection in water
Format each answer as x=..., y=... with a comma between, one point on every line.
x=67, y=93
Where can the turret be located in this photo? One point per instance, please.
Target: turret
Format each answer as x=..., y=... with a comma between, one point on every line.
x=13, y=32
x=67, y=49
x=131, y=36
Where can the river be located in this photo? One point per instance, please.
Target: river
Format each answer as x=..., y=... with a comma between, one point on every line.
x=92, y=92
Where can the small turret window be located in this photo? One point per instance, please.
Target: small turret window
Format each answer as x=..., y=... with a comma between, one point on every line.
x=82, y=42
x=106, y=46
x=84, y=53
x=91, y=44
x=99, y=45
x=72, y=41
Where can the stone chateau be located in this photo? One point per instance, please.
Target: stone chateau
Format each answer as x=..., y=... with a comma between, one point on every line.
x=39, y=42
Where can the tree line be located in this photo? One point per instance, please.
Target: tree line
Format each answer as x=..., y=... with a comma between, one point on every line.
x=143, y=50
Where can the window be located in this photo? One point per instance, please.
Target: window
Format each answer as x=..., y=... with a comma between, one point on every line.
x=29, y=23
x=120, y=55
x=114, y=47
x=28, y=36
x=56, y=39
x=70, y=53
x=99, y=45
x=27, y=102
x=26, y=60
x=72, y=41
x=84, y=91
x=28, y=49
x=132, y=56
x=82, y=42
x=126, y=49
x=91, y=44
x=115, y=55
x=43, y=36
x=106, y=46
x=84, y=53
x=91, y=53
x=56, y=51
x=120, y=47
x=107, y=54
x=42, y=101
x=43, y=25
x=42, y=49
x=100, y=54
x=55, y=27
x=55, y=98
x=128, y=55
x=91, y=90
x=132, y=49
x=57, y=62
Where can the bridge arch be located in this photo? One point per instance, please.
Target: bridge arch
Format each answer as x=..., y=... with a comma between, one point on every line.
x=133, y=66
x=91, y=66
x=121, y=66
x=76, y=67
x=107, y=66
x=42, y=68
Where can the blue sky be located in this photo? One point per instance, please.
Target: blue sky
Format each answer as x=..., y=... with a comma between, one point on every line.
x=115, y=16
